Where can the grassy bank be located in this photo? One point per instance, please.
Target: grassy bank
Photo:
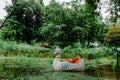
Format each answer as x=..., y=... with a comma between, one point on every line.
x=8, y=48
x=12, y=46
x=24, y=68
x=21, y=61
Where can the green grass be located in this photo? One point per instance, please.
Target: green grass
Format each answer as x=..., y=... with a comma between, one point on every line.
x=100, y=61
x=12, y=46
x=28, y=62
x=24, y=68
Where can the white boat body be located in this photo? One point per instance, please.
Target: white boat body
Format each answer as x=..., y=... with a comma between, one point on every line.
x=59, y=65
x=65, y=65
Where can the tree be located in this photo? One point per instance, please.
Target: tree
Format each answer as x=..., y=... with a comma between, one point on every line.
x=112, y=10
x=53, y=29
x=115, y=10
x=30, y=14
x=112, y=37
x=53, y=33
x=81, y=22
x=13, y=30
x=62, y=24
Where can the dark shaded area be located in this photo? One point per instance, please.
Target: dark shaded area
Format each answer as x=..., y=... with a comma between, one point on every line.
x=14, y=72
x=104, y=71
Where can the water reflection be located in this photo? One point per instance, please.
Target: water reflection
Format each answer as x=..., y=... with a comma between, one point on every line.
x=118, y=75
x=118, y=71
x=105, y=71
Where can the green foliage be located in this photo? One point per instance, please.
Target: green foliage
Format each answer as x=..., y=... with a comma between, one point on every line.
x=91, y=53
x=9, y=48
x=12, y=67
x=114, y=11
x=52, y=33
x=65, y=25
x=13, y=30
x=57, y=24
x=1, y=21
x=115, y=66
x=112, y=37
x=75, y=48
x=18, y=68
x=29, y=14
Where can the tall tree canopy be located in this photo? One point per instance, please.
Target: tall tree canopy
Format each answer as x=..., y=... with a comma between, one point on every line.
x=71, y=22
x=112, y=8
x=112, y=37
x=28, y=13
x=115, y=10
x=61, y=24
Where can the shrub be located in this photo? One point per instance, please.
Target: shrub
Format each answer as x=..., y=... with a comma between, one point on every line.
x=11, y=67
x=8, y=48
x=112, y=37
x=75, y=48
x=13, y=30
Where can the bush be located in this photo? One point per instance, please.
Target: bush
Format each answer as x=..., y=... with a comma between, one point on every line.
x=11, y=67
x=112, y=37
x=13, y=30
x=75, y=48
x=23, y=68
x=72, y=51
x=8, y=48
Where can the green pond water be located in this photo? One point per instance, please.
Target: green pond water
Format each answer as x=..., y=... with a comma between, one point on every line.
x=105, y=71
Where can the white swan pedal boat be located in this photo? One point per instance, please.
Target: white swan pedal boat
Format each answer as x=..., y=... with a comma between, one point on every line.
x=76, y=64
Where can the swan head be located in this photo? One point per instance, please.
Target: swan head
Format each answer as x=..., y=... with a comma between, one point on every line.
x=57, y=50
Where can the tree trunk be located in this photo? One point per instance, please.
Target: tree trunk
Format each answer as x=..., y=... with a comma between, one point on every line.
x=5, y=20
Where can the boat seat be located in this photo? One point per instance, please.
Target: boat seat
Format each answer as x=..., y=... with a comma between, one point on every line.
x=74, y=60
